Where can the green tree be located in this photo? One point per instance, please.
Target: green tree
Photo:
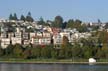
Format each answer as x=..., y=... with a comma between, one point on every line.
x=41, y=21
x=70, y=24
x=58, y=22
x=105, y=50
x=18, y=51
x=36, y=52
x=76, y=51
x=100, y=54
x=29, y=17
x=27, y=52
x=9, y=50
x=46, y=52
x=15, y=17
x=61, y=54
x=10, y=17
x=1, y=52
x=54, y=53
x=83, y=28
x=22, y=18
x=88, y=53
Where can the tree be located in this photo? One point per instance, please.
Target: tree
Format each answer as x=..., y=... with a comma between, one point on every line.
x=22, y=18
x=61, y=54
x=15, y=17
x=41, y=21
x=64, y=25
x=76, y=51
x=36, y=52
x=83, y=28
x=70, y=24
x=46, y=52
x=17, y=51
x=65, y=42
x=27, y=52
x=58, y=22
x=54, y=53
x=1, y=52
x=9, y=50
x=10, y=17
x=29, y=17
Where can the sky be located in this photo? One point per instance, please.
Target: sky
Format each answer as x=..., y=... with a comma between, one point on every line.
x=85, y=10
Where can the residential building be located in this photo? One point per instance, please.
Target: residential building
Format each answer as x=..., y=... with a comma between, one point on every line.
x=26, y=42
x=41, y=40
x=4, y=35
x=18, y=34
x=16, y=40
x=25, y=35
x=5, y=42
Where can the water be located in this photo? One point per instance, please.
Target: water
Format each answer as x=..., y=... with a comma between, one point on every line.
x=52, y=67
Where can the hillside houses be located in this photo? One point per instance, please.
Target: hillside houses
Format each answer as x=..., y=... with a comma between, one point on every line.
x=41, y=35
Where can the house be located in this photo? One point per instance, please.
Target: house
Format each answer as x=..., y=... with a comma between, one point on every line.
x=18, y=34
x=11, y=35
x=25, y=35
x=5, y=42
x=55, y=31
x=40, y=34
x=57, y=39
x=46, y=34
x=32, y=34
x=16, y=40
x=4, y=35
x=41, y=40
x=26, y=42
x=67, y=34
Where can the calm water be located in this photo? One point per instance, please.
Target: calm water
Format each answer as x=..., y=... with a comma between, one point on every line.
x=52, y=67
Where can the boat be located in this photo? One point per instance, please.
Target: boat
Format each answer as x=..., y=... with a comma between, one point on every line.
x=92, y=61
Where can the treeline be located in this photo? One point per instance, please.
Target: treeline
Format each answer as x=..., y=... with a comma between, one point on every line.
x=28, y=18
x=58, y=22
x=18, y=51
x=48, y=52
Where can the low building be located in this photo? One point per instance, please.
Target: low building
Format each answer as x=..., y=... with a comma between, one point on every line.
x=26, y=42
x=41, y=40
x=5, y=42
x=57, y=39
x=16, y=40
x=11, y=35
x=25, y=36
x=4, y=35
x=18, y=34
x=32, y=35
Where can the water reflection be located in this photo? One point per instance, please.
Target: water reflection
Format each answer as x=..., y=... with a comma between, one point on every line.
x=52, y=67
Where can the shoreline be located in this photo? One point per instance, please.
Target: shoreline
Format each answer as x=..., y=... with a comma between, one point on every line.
x=39, y=62
x=52, y=61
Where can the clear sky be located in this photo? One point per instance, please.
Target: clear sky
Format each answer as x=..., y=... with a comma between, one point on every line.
x=85, y=10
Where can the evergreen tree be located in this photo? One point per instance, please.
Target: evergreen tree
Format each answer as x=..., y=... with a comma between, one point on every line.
x=10, y=17
x=15, y=17
x=29, y=17
x=41, y=21
x=22, y=18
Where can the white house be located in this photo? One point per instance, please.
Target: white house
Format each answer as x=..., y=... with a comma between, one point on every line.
x=16, y=40
x=5, y=42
